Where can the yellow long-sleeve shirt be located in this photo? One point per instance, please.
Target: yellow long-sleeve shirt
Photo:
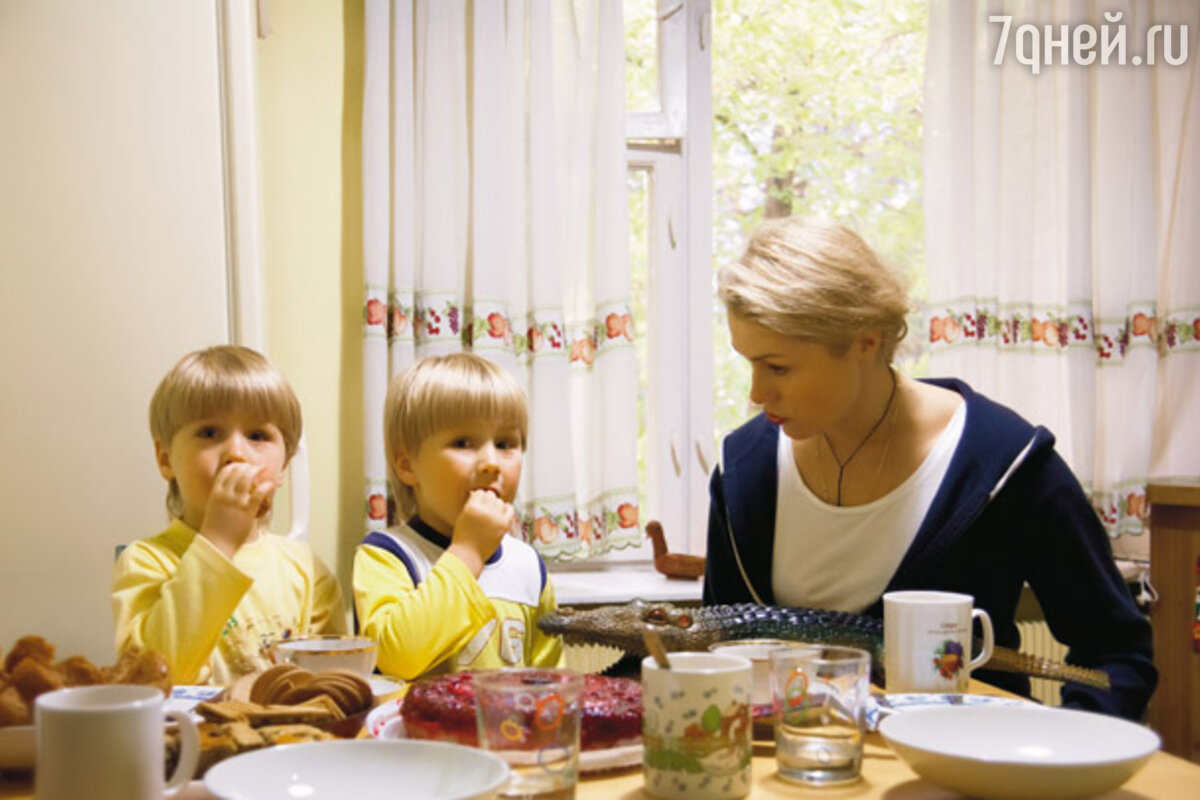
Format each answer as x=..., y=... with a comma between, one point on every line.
x=213, y=618
x=430, y=615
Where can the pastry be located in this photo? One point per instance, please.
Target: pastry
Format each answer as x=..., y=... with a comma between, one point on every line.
x=215, y=745
x=286, y=684
x=33, y=678
x=30, y=671
x=29, y=647
x=221, y=740
x=13, y=708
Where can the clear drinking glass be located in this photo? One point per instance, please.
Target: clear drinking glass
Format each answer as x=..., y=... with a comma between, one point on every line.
x=819, y=695
x=531, y=718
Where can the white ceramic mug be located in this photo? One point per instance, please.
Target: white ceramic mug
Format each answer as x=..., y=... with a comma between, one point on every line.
x=927, y=641
x=107, y=743
x=696, y=726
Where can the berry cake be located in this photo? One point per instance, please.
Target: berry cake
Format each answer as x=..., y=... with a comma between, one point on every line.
x=443, y=708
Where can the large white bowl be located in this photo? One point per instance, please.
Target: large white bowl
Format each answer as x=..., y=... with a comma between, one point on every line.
x=360, y=769
x=1019, y=752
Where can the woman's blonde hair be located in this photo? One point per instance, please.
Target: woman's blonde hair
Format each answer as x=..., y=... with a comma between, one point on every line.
x=441, y=391
x=819, y=281
x=216, y=380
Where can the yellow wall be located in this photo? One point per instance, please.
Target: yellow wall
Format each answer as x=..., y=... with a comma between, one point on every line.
x=310, y=103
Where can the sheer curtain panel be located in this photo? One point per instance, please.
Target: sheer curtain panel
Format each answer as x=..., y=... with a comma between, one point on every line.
x=496, y=221
x=1061, y=202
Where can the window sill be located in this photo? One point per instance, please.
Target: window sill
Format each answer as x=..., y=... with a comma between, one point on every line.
x=620, y=584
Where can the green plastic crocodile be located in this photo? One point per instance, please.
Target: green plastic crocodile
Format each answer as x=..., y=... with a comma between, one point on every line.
x=696, y=628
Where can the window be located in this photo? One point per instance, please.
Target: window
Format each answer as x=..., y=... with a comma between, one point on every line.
x=668, y=96
x=740, y=110
x=817, y=110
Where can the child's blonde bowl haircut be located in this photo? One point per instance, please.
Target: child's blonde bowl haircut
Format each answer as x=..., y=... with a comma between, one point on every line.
x=818, y=281
x=214, y=381
x=441, y=391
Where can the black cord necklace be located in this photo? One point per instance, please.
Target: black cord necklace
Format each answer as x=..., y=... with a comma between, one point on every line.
x=843, y=464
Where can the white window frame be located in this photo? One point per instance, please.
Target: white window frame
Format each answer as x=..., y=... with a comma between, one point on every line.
x=674, y=147
x=675, y=18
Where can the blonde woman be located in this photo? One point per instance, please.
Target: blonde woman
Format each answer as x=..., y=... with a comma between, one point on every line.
x=855, y=480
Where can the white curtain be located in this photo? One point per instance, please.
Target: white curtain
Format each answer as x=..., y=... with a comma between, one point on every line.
x=1062, y=239
x=496, y=220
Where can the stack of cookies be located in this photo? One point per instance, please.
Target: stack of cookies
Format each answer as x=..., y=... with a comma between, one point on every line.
x=281, y=705
x=287, y=684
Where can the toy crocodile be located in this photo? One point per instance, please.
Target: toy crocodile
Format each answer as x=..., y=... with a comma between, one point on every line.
x=697, y=628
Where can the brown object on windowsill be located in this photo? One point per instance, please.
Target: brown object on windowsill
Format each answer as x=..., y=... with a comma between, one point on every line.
x=673, y=565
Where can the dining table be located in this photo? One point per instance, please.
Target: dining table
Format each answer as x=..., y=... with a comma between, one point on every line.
x=884, y=775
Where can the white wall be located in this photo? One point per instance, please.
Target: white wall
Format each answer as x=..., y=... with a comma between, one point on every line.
x=112, y=264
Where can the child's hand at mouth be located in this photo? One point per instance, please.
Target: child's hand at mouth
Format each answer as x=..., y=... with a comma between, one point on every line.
x=480, y=527
x=241, y=494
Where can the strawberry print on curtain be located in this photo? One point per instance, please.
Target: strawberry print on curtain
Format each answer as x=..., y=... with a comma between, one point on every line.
x=495, y=221
x=1064, y=262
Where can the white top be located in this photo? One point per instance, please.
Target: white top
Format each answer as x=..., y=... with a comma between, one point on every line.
x=841, y=558
x=512, y=573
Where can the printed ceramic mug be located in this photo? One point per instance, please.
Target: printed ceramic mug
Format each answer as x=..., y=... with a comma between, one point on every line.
x=927, y=641
x=696, y=726
x=107, y=743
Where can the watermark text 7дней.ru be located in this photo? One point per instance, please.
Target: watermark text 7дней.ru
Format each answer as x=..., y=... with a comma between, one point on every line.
x=1036, y=46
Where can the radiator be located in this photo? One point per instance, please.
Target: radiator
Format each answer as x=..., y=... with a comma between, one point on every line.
x=1037, y=640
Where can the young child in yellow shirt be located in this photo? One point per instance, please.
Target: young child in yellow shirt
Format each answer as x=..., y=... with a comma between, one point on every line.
x=448, y=590
x=215, y=589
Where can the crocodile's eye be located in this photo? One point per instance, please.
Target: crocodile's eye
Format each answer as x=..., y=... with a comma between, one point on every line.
x=684, y=620
x=656, y=615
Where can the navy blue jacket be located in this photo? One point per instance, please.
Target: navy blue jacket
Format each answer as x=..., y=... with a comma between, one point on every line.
x=1009, y=511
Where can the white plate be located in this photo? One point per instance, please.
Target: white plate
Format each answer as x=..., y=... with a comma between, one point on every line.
x=906, y=702
x=1019, y=752
x=16, y=747
x=385, y=723
x=361, y=769
x=382, y=685
x=185, y=698
x=881, y=706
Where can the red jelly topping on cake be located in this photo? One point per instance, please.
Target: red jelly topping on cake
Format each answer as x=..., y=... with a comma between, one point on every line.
x=443, y=708
x=612, y=712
